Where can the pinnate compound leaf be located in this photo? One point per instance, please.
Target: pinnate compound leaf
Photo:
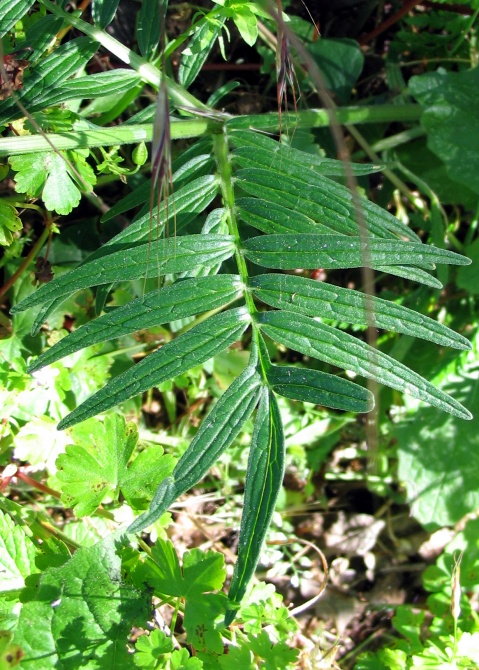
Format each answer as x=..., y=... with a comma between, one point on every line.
x=145, y=260
x=17, y=555
x=97, y=466
x=81, y=614
x=192, y=348
x=216, y=433
x=320, y=388
x=12, y=11
x=313, y=298
x=199, y=47
x=331, y=345
x=112, y=82
x=263, y=483
x=289, y=252
x=182, y=299
x=47, y=175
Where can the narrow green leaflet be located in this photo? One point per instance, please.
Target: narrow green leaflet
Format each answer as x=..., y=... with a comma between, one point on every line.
x=263, y=146
x=263, y=483
x=331, y=345
x=289, y=252
x=81, y=614
x=313, y=298
x=17, y=555
x=11, y=11
x=103, y=11
x=96, y=85
x=148, y=28
x=37, y=89
x=269, y=217
x=216, y=433
x=188, y=350
x=145, y=260
x=182, y=299
x=319, y=388
x=183, y=205
x=197, y=51
x=321, y=199
x=98, y=466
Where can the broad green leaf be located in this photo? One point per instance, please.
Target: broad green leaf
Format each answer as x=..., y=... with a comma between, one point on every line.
x=150, y=647
x=148, y=28
x=319, y=388
x=145, y=260
x=321, y=199
x=191, y=348
x=81, y=614
x=313, y=298
x=217, y=431
x=263, y=483
x=275, y=655
x=247, y=24
x=289, y=252
x=336, y=347
x=201, y=572
x=47, y=175
x=264, y=146
x=39, y=36
x=97, y=466
x=9, y=223
x=451, y=102
x=17, y=555
x=50, y=73
x=11, y=12
x=442, y=489
x=181, y=660
x=341, y=62
x=103, y=11
x=201, y=627
x=182, y=299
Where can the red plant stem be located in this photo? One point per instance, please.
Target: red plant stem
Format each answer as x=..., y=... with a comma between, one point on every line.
x=444, y=7
x=408, y=5
x=36, y=485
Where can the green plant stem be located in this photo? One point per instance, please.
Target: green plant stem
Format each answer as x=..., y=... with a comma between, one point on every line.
x=226, y=178
x=147, y=71
x=181, y=129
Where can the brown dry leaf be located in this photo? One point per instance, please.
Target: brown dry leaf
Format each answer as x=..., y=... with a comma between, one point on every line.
x=14, y=70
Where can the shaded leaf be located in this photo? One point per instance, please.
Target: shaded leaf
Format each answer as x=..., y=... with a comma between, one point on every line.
x=81, y=614
x=12, y=11
x=103, y=11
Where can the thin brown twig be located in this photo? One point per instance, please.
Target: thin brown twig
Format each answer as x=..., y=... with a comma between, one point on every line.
x=390, y=21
